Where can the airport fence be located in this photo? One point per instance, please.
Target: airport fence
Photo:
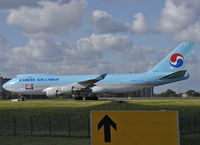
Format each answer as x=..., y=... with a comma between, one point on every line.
x=189, y=124
x=66, y=126
x=50, y=125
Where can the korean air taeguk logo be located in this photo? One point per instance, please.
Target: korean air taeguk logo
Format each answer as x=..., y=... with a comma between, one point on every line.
x=176, y=60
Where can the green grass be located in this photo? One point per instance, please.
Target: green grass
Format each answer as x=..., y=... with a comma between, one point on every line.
x=72, y=108
x=21, y=140
x=190, y=139
x=59, y=110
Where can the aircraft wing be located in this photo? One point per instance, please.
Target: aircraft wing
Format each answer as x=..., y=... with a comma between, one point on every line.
x=82, y=85
x=91, y=83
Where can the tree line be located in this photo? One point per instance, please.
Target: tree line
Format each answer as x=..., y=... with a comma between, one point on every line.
x=171, y=93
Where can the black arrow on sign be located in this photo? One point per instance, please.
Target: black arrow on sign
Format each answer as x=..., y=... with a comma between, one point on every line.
x=107, y=122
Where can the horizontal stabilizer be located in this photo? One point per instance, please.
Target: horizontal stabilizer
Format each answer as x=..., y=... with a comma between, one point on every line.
x=175, y=75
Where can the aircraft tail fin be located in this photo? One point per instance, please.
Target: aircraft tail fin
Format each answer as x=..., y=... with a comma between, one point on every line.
x=176, y=60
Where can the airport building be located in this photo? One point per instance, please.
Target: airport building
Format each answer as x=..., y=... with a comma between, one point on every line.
x=146, y=92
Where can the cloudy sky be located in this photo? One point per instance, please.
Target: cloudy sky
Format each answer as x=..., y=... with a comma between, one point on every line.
x=97, y=36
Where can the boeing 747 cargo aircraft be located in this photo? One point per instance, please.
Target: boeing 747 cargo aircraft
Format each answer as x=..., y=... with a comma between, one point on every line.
x=170, y=69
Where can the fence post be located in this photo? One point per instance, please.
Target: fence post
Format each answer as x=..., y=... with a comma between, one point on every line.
x=194, y=123
x=14, y=126
x=69, y=127
x=188, y=125
x=31, y=125
x=88, y=126
x=181, y=125
x=49, y=120
x=198, y=122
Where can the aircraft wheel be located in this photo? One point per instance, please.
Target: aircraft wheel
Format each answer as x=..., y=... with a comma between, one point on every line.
x=21, y=98
x=93, y=97
x=78, y=98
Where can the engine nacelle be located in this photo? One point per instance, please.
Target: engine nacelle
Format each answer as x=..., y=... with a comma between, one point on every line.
x=52, y=92
x=72, y=88
x=98, y=90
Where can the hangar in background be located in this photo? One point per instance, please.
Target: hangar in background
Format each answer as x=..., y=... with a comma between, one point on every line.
x=147, y=92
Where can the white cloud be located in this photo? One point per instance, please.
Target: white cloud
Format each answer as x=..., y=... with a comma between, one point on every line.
x=4, y=44
x=97, y=53
x=41, y=24
x=50, y=18
x=40, y=49
x=114, y=53
x=176, y=15
x=139, y=24
x=191, y=33
x=17, y=3
x=82, y=56
x=4, y=48
x=91, y=50
x=104, y=23
x=181, y=19
x=104, y=42
x=9, y=4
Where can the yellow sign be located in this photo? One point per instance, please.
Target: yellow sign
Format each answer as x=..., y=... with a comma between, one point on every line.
x=134, y=128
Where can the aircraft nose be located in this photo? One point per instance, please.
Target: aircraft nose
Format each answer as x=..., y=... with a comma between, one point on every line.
x=5, y=86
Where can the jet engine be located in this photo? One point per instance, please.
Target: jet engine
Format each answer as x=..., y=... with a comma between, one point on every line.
x=72, y=88
x=52, y=92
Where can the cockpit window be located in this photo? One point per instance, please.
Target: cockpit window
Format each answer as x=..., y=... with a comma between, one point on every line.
x=13, y=81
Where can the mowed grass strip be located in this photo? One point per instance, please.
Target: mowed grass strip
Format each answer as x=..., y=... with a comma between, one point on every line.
x=27, y=140
x=74, y=108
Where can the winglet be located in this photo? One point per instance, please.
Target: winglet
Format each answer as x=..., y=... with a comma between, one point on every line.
x=101, y=77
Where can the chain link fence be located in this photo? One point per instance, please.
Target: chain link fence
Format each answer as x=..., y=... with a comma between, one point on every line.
x=66, y=126
x=189, y=124
x=50, y=125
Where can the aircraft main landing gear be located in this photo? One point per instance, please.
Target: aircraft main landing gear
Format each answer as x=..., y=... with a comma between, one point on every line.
x=92, y=97
x=86, y=97
x=77, y=97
